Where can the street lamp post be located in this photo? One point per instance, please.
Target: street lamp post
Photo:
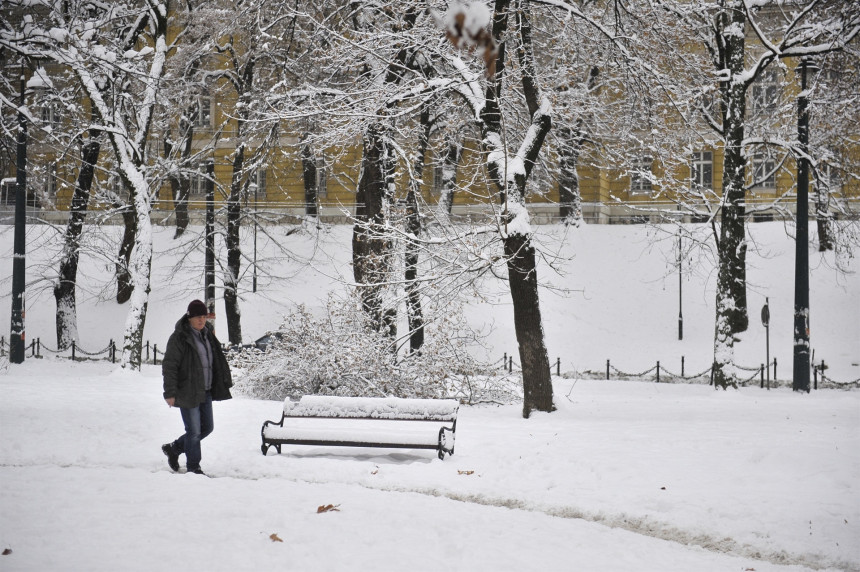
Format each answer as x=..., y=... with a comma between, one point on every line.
x=17, y=335
x=680, y=289
x=800, y=377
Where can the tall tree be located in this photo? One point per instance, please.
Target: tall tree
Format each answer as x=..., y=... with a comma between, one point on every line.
x=510, y=172
x=721, y=33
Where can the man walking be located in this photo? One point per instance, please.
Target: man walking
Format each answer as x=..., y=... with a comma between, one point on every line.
x=195, y=373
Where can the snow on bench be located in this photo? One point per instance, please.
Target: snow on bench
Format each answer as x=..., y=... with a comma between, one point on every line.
x=345, y=422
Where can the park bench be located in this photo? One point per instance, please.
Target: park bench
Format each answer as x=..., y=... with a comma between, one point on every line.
x=386, y=422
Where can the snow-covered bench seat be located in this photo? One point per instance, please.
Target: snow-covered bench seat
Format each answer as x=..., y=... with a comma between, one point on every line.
x=387, y=422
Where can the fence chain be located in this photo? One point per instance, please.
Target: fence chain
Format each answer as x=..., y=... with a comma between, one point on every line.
x=839, y=384
x=619, y=372
x=104, y=351
x=670, y=374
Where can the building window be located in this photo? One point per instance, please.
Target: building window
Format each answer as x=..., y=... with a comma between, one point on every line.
x=438, y=178
x=203, y=118
x=322, y=177
x=259, y=184
x=7, y=192
x=702, y=170
x=764, y=94
x=50, y=115
x=640, y=175
x=764, y=172
x=51, y=181
x=198, y=181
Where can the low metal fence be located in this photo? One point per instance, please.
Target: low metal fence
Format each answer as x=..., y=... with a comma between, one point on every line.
x=760, y=375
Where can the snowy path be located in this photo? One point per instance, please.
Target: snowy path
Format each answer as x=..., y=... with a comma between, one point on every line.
x=114, y=518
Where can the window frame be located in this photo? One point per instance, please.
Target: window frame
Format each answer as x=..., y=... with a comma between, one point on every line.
x=699, y=164
x=641, y=184
x=763, y=163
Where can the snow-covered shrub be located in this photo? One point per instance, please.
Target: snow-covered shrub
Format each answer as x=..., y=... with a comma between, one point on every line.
x=339, y=354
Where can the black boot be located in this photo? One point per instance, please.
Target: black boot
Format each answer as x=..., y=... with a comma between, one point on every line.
x=172, y=457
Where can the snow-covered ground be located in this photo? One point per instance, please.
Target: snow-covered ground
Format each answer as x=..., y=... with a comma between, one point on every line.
x=625, y=475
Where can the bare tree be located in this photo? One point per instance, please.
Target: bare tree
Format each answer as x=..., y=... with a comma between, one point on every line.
x=121, y=85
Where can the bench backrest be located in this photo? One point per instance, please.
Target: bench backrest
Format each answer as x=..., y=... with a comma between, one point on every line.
x=372, y=408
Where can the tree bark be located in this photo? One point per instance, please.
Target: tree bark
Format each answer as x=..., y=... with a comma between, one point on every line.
x=522, y=273
x=123, y=275
x=414, y=313
x=371, y=248
x=64, y=290
x=180, y=183
x=450, y=162
x=570, y=200
x=309, y=172
x=234, y=251
x=519, y=252
x=731, y=303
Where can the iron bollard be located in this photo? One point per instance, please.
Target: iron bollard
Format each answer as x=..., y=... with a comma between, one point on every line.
x=73, y=350
x=511, y=364
x=505, y=360
x=682, y=366
x=761, y=371
x=607, y=370
x=558, y=366
x=774, y=369
x=658, y=371
x=155, y=354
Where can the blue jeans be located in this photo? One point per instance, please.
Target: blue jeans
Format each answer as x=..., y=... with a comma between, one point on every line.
x=199, y=423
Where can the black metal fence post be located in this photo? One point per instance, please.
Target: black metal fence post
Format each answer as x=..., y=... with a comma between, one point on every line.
x=682, y=366
x=607, y=370
x=73, y=350
x=155, y=354
x=558, y=366
x=658, y=371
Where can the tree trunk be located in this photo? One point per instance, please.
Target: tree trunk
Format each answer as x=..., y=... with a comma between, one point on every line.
x=731, y=303
x=309, y=172
x=572, y=138
x=414, y=313
x=450, y=162
x=825, y=235
x=180, y=183
x=124, y=284
x=371, y=249
x=234, y=251
x=139, y=268
x=64, y=290
x=519, y=252
x=522, y=274
x=570, y=200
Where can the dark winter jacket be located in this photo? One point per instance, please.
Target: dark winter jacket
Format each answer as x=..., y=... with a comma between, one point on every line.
x=183, y=372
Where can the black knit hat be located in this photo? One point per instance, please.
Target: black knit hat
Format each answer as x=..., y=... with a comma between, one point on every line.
x=197, y=308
